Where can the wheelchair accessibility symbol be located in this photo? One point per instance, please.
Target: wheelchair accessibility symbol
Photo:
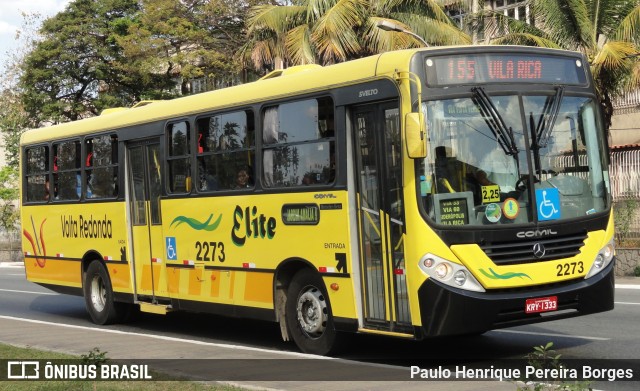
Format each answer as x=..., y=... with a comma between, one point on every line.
x=172, y=254
x=548, y=203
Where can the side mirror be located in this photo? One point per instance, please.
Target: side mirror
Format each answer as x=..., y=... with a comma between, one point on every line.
x=415, y=135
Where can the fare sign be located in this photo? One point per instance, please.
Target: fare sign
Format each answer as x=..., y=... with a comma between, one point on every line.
x=541, y=304
x=475, y=68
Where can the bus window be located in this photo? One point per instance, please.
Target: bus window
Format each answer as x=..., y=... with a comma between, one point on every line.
x=66, y=171
x=226, y=146
x=37, y=174
x=178, y=157
x=101, y=165
x=299, y=143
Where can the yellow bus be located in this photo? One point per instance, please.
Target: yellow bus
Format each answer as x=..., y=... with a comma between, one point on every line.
x=416, y=193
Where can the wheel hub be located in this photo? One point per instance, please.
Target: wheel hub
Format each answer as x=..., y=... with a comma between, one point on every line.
x=312, y=312
x=98, y=294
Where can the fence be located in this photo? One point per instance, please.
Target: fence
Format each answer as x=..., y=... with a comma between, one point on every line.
x=625, y=175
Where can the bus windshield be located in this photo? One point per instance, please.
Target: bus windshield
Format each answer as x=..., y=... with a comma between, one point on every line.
x=513, y=159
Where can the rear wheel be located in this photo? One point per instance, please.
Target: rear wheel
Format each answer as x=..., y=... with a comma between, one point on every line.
x=98, y=296
x=308, y=314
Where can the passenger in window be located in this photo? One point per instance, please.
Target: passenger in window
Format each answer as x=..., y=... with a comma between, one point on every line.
x=308, y=179
x=46, y=190
x=209, y=182
x=242, y=179
x=206, y=180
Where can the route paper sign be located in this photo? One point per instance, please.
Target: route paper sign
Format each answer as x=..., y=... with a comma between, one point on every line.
x=454, y=211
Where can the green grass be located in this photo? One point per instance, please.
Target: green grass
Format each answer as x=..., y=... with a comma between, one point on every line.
x=161, y=382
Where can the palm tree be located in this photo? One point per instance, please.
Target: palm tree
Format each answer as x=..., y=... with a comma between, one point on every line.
x=606, y=31
x=330, y=31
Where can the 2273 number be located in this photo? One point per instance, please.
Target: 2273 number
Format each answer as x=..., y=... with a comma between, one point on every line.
x=210, y=251
x=569, y=268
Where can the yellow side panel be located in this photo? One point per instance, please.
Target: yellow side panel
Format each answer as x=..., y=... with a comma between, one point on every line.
x=120, y=276
x=195, y=281
x=149, y=277
x=67, y=273
x=232, y=235
x=341, y=299
x=232, y=284
x=215, y=284
x=259, y=287
x=55, y=239
x=173, y=277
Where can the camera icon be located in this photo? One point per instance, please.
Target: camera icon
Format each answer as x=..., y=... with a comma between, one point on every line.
x=23, y=370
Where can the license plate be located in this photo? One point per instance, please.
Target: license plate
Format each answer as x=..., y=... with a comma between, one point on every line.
x=541, y=304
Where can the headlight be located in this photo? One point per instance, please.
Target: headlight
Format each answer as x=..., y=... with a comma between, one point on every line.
x=460, y=277
x=602, y=260
x=449, y=273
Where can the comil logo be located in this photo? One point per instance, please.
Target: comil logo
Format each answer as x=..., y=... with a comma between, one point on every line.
x=23, y=370
x=536, y=233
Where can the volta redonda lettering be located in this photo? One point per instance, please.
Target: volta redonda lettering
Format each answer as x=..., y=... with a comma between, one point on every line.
x=255, y=225
x=86, y=227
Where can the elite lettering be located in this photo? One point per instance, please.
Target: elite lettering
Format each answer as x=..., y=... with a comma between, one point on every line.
x=255, y=225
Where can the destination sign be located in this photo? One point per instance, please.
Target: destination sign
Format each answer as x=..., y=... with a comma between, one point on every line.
x=503, y=68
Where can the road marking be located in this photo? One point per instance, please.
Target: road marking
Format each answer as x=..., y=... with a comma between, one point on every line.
x=31, y=292
x=627, y=286
x=626, y=303
x=173, y=339
x=552, y=335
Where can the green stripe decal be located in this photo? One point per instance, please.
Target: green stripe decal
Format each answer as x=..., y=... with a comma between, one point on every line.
x=506, y=276
x=197, y=225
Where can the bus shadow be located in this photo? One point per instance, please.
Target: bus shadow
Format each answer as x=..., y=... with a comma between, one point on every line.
x=493, y=345
x=66, y=306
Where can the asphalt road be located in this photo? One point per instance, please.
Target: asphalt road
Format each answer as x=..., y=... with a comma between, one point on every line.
x=34, y=316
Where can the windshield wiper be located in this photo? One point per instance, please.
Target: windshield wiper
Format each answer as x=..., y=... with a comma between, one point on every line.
x=549, y=116
x=494, y=120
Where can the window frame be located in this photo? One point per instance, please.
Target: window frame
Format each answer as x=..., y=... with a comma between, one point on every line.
x=47, y=197
x=57, y=171
x=113, y=165
x=252, y=149
x=329, y=137
x=169, y=158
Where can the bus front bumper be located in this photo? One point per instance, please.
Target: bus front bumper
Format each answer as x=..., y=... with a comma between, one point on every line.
x=450, y=311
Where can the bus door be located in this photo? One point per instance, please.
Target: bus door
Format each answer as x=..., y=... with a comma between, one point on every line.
x=380, y=209
x=143, y=197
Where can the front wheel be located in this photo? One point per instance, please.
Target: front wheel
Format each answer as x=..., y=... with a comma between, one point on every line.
x=98, y=296
x=308, y=314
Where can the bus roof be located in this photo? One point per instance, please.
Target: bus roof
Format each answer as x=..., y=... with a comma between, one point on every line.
x=290, y=82
x=278, y=84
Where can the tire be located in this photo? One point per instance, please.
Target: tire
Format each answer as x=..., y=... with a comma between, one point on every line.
x=98, y=296
x=308, y=314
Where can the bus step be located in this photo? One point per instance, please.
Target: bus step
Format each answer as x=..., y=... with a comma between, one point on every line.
x=159, y=309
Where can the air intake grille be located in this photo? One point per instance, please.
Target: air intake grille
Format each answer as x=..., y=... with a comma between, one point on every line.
x=534, y=250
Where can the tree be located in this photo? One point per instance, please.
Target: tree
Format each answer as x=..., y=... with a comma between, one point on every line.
x=606, y=31
x=330, y=31
x=14, y=120
x=183, y=40
x=73, y=70
x=8, y=194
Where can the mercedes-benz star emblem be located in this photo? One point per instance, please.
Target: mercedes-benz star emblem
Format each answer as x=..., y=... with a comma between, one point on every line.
x=539, y=250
